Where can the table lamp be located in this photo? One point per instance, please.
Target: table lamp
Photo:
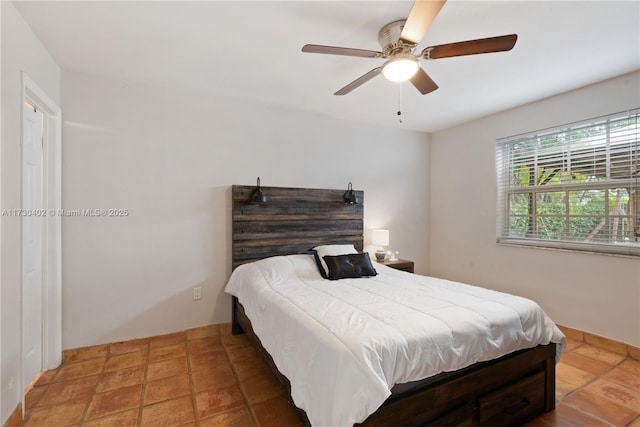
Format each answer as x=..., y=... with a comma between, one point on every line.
x=380, y=239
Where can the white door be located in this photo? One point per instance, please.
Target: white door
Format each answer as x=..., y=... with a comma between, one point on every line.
x=32, y=237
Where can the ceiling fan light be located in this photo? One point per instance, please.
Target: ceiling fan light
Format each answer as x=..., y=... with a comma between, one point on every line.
x=400, y=68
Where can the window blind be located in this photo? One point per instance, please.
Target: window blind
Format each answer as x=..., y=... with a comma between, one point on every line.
x=575, y=186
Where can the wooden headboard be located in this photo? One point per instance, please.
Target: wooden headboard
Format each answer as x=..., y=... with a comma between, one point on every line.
x=293, y=221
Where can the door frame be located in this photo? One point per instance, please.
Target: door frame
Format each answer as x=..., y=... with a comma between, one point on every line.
x=52, y=237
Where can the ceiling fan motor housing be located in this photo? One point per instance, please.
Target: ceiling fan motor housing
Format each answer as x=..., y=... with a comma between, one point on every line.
x=389, y=39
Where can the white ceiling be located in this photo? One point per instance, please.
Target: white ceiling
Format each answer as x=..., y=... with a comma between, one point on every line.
x=251, y=51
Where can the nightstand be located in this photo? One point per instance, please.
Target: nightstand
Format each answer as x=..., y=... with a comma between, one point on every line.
x=399, y=264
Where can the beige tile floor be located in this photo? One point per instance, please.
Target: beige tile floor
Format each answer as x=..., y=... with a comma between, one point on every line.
x=199, y=377
x=208, y=377
x=594, y=387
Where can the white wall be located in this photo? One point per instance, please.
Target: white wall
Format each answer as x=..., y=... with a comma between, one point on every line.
x=21, y=51
x=170, y=157
x=595, y=293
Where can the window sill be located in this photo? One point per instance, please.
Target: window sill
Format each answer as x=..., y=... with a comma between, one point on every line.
x=625, y=251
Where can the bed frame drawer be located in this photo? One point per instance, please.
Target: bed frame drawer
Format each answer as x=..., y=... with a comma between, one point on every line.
x=514, y=404
x=461, y=416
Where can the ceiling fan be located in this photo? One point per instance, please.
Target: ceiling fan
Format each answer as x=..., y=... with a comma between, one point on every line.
x=399, y=40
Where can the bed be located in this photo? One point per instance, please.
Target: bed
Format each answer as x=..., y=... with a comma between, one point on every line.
x=513, y=385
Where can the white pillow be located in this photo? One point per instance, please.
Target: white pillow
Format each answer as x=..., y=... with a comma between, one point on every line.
x=332, y=250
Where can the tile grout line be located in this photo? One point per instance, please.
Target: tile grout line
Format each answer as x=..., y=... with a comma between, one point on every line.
x=143, y=387
x=88, y=404
x=95, y=390
x=53, y=381
x=593, y=380
x=237, y=376
x=144, y=383
x=27, y=413
x=194, y=404
x=596, y=377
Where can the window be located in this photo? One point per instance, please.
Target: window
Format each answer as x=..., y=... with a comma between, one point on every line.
x=573, y=187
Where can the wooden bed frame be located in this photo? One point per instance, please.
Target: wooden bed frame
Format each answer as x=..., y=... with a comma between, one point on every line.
x=504, y=392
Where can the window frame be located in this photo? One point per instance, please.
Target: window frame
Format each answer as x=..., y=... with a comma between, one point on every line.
x=562, y=154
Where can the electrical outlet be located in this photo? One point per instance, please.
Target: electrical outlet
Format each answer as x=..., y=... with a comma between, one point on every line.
x=197, y=293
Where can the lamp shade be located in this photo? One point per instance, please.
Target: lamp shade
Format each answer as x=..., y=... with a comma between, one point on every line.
x=380, y=237
x=258, y=197
x=400, y=68
x=350, y=197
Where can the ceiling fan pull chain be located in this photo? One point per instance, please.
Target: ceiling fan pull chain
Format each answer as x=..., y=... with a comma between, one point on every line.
x=400, y=102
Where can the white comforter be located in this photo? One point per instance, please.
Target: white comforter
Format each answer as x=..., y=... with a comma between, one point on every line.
x=344, y=344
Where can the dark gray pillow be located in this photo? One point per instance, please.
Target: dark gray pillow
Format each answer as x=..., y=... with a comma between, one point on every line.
x=350, y=266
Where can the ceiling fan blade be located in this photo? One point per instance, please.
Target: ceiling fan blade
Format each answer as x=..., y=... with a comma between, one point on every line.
x=333, y=50
x=359, y=81
x=471, y=47
x=423, y=82
x=420, y=18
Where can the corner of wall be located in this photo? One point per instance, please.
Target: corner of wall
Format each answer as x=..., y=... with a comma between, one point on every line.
x=21, y=51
